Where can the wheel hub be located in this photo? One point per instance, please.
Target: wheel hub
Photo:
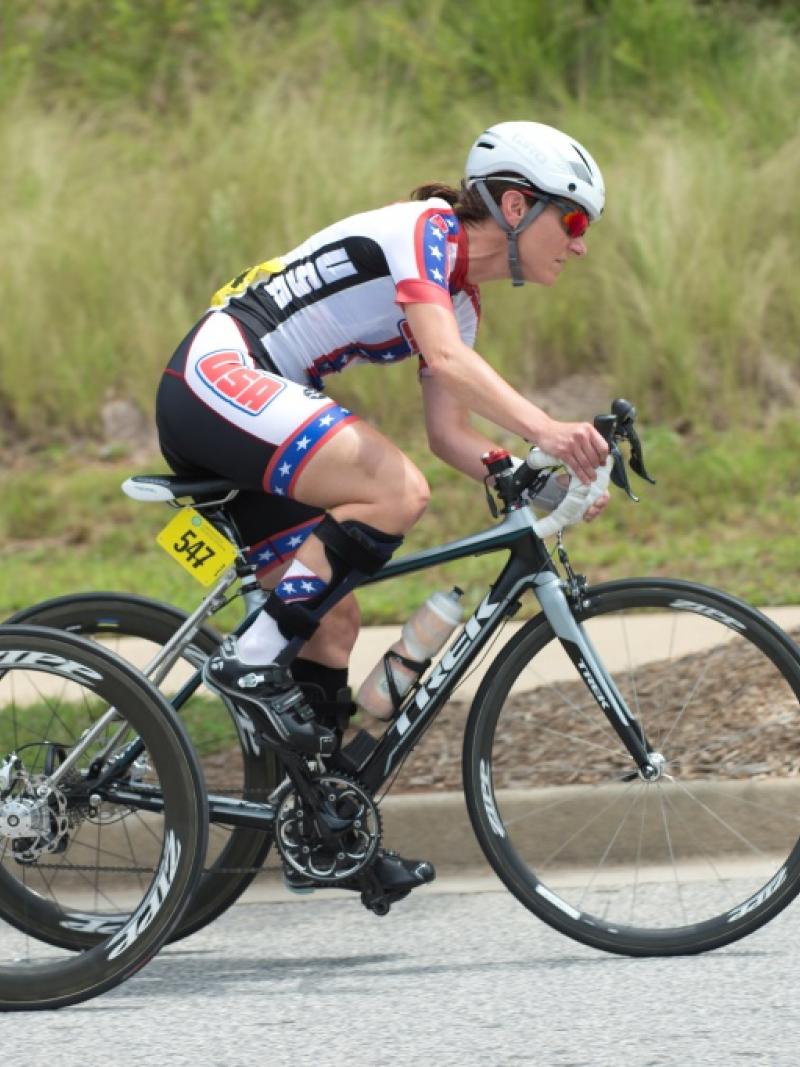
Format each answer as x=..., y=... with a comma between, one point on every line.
x=33, y=816
x=656, y=768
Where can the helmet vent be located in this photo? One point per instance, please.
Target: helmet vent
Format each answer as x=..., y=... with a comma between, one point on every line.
x=484, y=144
x=583, y=172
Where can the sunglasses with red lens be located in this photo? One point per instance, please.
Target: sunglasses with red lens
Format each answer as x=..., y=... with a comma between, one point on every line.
x=574, y=219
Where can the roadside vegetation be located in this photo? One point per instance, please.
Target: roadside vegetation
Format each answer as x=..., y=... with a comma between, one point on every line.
x=724, y=512
x=149, y=151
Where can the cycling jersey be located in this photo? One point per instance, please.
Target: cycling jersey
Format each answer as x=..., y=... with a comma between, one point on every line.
x=337, y=299
x=239, y=398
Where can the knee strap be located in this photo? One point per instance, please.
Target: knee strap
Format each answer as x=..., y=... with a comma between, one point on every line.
x=355, y=551
x=356, y=545
x=294, y=620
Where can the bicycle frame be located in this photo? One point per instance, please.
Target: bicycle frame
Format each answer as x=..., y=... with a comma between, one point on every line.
x=529, y=567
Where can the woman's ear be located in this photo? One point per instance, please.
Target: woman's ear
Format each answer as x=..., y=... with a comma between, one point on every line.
x=513, y=205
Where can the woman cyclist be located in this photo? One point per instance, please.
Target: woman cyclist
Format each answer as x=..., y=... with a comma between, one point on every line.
x=323, y=490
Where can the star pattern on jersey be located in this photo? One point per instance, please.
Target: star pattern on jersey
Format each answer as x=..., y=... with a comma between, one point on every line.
x=294, y=452
x=440, y=228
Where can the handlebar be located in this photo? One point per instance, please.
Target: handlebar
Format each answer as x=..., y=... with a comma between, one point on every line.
x=516, y=486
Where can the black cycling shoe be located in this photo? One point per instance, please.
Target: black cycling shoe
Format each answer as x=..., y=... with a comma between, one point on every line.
x=398, y=875
x=395, y=875
x=273, y=691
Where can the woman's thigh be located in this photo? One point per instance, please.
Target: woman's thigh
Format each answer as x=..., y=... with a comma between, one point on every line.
x=218, y=412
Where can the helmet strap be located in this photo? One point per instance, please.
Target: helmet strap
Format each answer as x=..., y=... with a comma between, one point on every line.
x=511, y=232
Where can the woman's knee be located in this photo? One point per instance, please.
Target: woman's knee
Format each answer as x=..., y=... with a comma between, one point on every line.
x=414, y=495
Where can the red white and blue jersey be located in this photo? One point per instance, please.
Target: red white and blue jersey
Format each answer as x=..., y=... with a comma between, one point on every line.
x=338, y=298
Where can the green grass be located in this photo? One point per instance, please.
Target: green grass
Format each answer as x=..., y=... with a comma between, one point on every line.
x=725, y=511
x=148, y=152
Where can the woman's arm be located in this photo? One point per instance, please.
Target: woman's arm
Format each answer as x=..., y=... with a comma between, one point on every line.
x=456, y=442
x=451, y=436
x=475, y=386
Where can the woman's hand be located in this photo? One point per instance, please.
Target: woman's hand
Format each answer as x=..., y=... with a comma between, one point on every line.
x=578, y=444
x=597, y=507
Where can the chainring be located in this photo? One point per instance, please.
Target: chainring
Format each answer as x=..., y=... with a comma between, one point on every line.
x=340, y=858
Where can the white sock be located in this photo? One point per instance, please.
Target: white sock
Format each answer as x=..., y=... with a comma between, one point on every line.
x=262, y=640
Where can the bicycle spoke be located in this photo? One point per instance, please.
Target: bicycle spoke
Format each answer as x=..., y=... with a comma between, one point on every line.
x=696, y=855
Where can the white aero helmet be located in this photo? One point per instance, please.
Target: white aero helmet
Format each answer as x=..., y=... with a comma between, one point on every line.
x=544, y=157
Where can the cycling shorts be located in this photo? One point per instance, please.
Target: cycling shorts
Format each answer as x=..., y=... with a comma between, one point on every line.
x=221, y=412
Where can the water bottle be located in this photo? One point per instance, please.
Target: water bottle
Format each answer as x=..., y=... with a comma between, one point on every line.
x=422, y=636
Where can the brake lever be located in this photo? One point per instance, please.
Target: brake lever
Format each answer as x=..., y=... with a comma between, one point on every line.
x=619, y=475
x=637, y=456
x=618, y=426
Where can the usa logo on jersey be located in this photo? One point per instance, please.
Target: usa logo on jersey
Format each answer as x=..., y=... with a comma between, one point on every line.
x=246, y=388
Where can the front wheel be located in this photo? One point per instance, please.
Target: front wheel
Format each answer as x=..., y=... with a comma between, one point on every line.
x=71, y=714
x=693, y=860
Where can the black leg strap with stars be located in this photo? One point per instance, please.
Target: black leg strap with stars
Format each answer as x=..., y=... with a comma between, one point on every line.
x=355, y=551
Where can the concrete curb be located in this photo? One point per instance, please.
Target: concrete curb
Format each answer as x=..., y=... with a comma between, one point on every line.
x=436, y=827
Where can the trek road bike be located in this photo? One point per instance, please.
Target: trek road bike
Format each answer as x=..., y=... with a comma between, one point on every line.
x=629, y=760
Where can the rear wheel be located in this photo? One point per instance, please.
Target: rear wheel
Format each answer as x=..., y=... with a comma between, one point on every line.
x=59, y=744
x=701, y=856
x=235, y=762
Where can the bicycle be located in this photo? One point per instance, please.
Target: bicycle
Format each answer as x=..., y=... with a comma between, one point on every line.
x=637, y=848
x=68, y=712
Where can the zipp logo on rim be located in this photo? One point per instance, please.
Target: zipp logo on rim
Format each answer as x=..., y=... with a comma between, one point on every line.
x=47, y=661
x=487, y=796
x=710, y=613
x=150, y=906
x=758, y=899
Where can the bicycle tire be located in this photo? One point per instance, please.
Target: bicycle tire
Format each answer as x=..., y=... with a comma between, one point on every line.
x=115, y=617
x=53, y=686
x=703, y=856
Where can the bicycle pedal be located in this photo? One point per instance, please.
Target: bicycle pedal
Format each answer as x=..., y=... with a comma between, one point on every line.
x=381, y=904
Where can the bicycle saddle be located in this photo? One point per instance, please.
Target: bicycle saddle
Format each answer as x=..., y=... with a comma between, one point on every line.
x=161, y=487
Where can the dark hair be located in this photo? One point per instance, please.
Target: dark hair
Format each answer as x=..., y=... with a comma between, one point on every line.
x=467, y=203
